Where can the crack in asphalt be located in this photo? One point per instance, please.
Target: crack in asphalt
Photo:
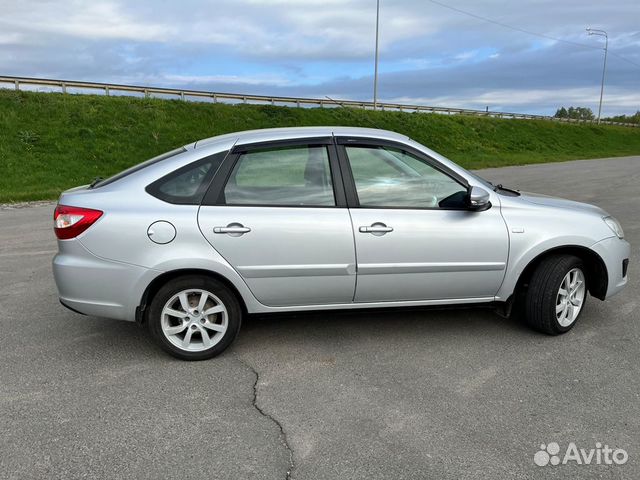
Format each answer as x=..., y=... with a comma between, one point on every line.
x=283, y=435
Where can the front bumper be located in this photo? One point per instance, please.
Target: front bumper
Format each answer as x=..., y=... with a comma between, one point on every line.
x=95, y=286
x=614, y=251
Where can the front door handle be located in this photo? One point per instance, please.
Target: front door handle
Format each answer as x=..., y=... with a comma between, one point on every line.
x=377, y=229
x=233, y=229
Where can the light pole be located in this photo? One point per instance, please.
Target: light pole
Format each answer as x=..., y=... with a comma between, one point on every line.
x=375, y=68
x=601, y=33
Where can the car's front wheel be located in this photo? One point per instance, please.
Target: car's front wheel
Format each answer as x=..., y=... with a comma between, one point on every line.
x=556, y=294
x=194, y=317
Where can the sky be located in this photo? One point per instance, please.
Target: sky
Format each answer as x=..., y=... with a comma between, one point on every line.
x=429, y=54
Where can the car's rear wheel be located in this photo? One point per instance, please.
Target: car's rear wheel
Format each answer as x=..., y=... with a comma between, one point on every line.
x=194, y=317
x=556, y=294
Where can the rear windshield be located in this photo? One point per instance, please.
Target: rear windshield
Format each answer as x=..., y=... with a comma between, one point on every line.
x=138, y=167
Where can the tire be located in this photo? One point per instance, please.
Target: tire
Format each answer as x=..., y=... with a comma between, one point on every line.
x=546, y=308
x=192, y=333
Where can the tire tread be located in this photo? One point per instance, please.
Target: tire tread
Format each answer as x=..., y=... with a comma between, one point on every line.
x=540, y=300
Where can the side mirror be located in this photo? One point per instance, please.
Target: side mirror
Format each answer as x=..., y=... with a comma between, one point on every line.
x=478, y=199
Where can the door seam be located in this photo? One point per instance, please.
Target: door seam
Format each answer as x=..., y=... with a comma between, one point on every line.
x=355, y=254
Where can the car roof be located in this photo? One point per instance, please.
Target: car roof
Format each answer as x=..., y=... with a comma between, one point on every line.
x=274, y=134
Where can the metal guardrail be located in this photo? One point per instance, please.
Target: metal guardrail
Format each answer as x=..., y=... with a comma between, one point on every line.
x=183, y=94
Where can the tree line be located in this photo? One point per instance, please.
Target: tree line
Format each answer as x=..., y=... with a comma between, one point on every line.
x=584, y=113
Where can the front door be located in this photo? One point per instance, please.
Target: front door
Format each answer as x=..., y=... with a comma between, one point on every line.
x=278, y=221
x=414, y=238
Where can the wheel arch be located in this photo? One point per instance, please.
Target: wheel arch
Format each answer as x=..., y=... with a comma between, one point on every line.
x=596, y=270
x=165, y=277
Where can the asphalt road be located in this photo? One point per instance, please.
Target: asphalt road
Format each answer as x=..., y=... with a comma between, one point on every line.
x=407, y=394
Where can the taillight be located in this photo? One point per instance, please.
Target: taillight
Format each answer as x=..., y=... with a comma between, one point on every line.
x=69, y=222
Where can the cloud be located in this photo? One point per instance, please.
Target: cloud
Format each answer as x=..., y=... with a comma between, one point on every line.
x=428, y=53
x=514, y=99
x=84, y=20
x=269, y=80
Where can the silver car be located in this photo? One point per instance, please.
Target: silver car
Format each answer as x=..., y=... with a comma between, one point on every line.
x=321, y=218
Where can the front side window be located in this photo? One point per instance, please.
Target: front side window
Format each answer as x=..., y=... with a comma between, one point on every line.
x=390, y=177
x=289, y=176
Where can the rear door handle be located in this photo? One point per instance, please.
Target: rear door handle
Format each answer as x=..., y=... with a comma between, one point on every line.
x=233, y=229
x=377, y=228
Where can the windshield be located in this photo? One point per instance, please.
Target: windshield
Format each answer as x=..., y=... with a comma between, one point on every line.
x=484, y=182
x=499, y=188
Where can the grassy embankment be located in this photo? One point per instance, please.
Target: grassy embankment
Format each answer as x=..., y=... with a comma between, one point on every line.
x=51, y=142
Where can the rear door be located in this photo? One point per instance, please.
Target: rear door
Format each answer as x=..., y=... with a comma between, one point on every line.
x=277, y=213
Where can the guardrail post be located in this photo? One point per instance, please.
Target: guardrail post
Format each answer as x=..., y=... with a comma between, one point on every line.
x=17, y=84
x=298, y=103
x=215, y=98
x=146, y=93
x=244, y=99
x=273, y=102
x=106, y=91
x=182, y=96
x=64, y=87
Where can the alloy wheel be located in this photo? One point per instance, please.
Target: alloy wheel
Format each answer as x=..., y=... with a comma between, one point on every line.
x=194, y=320
x=570, y=298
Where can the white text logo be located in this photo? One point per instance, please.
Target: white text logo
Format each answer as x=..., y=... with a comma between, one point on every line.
x=549, y=454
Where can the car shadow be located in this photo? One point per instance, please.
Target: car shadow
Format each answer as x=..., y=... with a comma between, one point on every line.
x=411, y=322
x=100, y=337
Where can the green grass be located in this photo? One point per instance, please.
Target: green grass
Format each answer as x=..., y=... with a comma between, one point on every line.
x=51, y=142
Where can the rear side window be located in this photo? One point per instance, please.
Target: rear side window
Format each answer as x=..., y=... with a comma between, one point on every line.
x=138, y=167
x=187, y=185
x=286, y=176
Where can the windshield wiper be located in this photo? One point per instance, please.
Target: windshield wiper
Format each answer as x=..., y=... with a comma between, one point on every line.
x=500, y=187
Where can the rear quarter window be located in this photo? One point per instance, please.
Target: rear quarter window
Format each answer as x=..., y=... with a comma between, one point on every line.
x=187, y=185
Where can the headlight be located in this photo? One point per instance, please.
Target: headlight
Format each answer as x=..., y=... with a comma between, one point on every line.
x=614, y=225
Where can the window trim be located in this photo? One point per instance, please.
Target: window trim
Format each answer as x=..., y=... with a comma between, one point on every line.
x=273, y=144
x=349, y=181
x=215, y=194
x=153, y=188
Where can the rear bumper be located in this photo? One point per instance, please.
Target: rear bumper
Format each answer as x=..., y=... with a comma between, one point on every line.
x=95, y=286
x=614, y=251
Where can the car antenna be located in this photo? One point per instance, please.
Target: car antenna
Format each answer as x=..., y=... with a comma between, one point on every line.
x=340, y=104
